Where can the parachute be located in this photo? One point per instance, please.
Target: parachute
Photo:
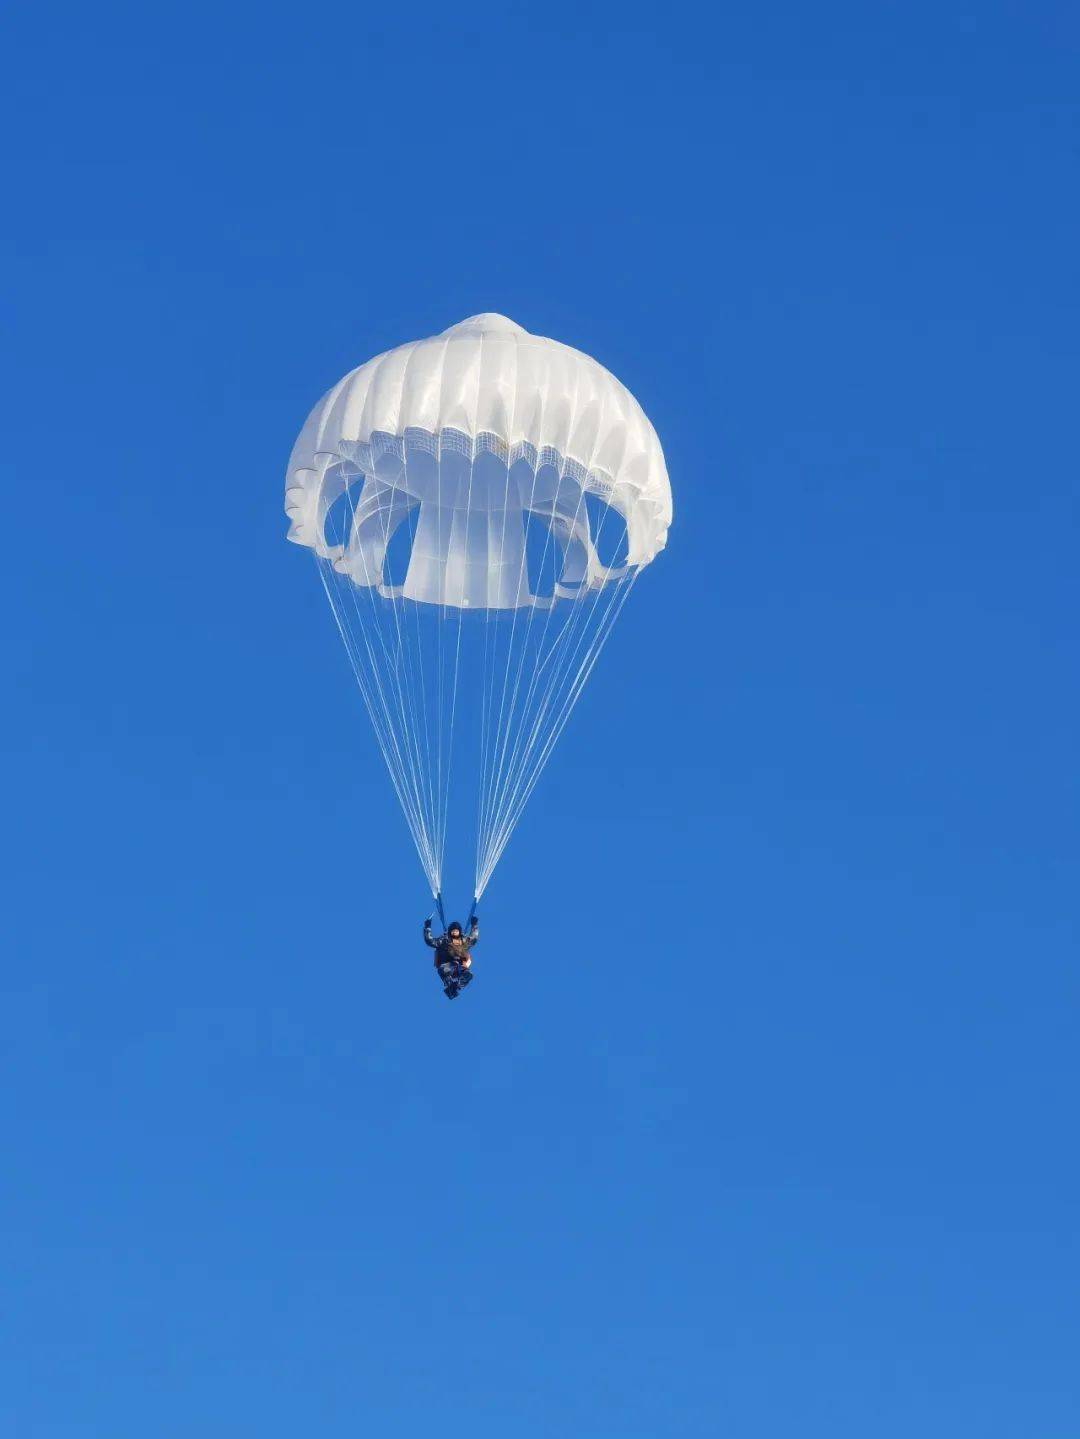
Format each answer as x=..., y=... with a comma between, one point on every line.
x=479, y=505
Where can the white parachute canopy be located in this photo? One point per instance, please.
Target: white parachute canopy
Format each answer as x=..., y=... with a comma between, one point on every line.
x=479, y=504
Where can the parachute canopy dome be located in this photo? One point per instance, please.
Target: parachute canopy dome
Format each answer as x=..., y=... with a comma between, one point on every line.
x=478, y=504
x=471, y=432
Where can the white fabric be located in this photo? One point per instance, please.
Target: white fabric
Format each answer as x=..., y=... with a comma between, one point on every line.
x=478, y=427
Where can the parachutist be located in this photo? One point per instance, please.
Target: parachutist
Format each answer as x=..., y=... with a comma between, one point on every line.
x=453, y=961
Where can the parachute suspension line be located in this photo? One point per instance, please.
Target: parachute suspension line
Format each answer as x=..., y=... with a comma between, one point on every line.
x=506, y=777
x=488, y=678
x=484, y=673
x=518, y=772
x=369, y=686
x=521, y=777
x=503, y=770
x=354, y=659
x=547, y=727
x=457, y=655
x=520, y=798
x=381, y=722
x=522, y=577
x=374, y=586
x=498, y=769
x=559, y=702
x=403, y=669
x=396, y=763
x=401, y=752
x=440, y=620
x=562, y=650
x=427, y=769
x=489, y=777
x=528, y=777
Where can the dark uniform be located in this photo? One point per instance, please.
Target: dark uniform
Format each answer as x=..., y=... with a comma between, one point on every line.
x=451, y=952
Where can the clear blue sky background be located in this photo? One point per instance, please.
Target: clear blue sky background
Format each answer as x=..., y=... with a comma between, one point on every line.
x=761, y=1119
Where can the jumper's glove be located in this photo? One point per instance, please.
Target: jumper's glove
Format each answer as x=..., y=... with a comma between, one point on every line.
x=427, y=925
x=473, y=921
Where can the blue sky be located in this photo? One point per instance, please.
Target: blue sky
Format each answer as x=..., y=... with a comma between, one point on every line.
x=760, y=1119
